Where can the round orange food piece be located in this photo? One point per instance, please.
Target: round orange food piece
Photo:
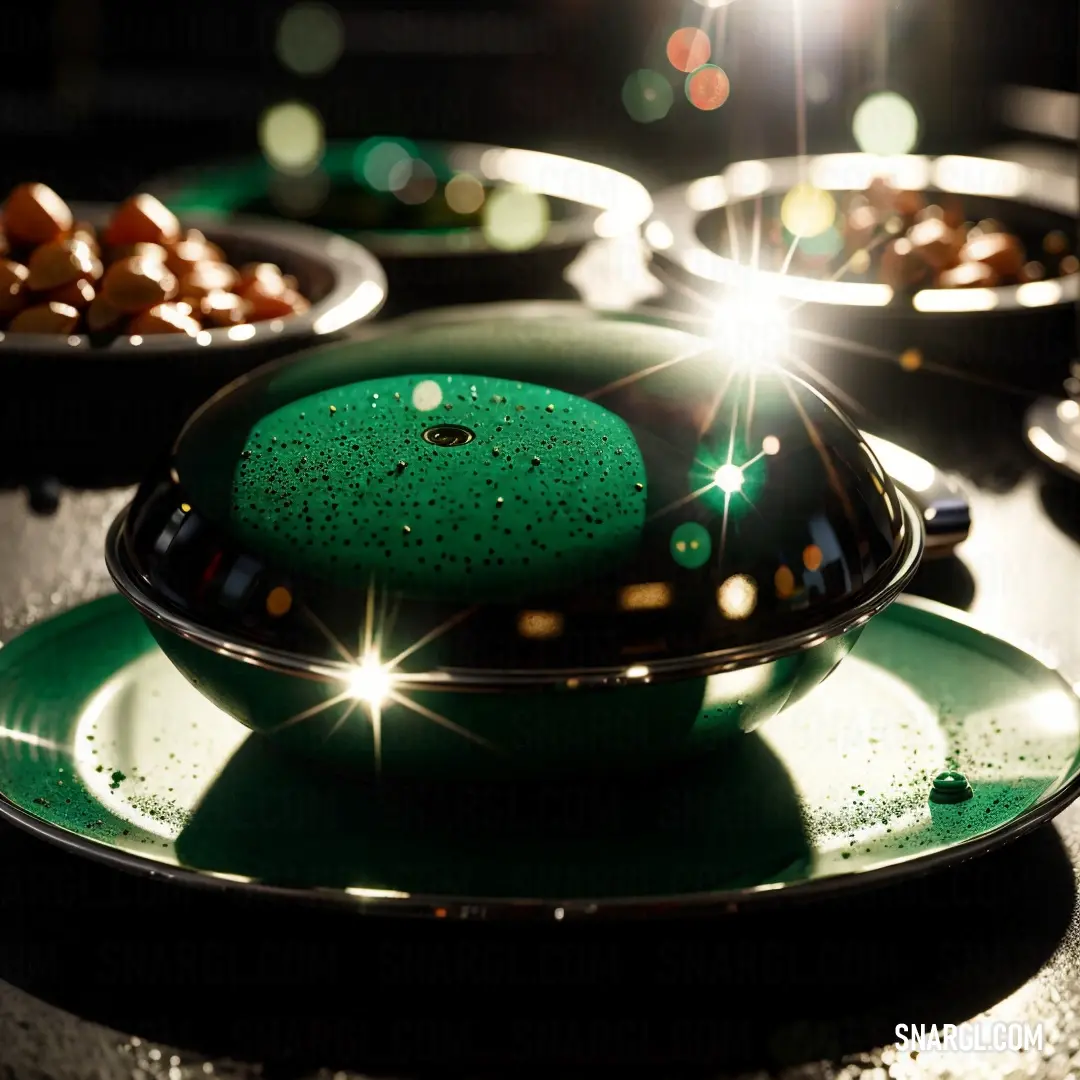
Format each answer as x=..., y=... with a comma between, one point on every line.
x=35, y=214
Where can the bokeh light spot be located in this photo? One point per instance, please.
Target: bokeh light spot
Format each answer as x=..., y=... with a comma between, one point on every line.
x=377, y=163
x=426, y=395
x=737, y=597
x=691, y=545
x=1055, y=243
x=515, y=219
x=911, y=360
x=812, y=557
x=708, y=87
x=688, y=49
x=310, y=38
x=464, y=194
x=291, y=137
x=647, y=96
x=825, y=245
x=770, y=445
x=807, y=211
x=278, y=602
x=886, y=123
x=784, y=581
x=413, y=182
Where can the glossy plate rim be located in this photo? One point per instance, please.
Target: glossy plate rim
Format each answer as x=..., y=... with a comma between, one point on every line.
x=392, y=904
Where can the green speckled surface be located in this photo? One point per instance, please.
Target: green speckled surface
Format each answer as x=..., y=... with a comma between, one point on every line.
x=839, y=783
x=342, y=484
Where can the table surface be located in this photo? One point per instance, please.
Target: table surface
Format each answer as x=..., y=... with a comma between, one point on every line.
x=105, y=974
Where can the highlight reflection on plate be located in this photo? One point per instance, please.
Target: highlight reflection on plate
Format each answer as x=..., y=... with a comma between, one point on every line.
x=124, y=760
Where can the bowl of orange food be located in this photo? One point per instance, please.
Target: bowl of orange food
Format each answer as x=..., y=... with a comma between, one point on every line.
x=116, y=322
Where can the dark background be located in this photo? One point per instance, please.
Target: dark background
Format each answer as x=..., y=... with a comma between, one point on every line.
x=98, y=95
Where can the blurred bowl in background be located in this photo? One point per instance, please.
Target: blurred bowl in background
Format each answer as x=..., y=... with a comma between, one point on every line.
x=83, y=406
x=1021, y=333
x=451, y=222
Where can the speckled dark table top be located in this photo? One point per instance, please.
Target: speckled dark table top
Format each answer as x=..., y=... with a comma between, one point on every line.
x=107, y=975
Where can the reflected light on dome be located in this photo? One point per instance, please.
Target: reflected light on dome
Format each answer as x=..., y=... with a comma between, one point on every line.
x=370, y=681
x=737, y=597
x=728, y=478
x=540, y=625
x=732, y=686
x=752, y=327
x=902, y=465
x=649, y=596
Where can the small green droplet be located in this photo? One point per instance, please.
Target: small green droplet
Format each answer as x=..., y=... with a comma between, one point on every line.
x=950, y=787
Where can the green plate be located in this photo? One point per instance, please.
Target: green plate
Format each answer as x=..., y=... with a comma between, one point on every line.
x=105, y=748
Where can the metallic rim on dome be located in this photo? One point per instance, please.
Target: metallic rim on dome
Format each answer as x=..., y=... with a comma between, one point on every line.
x=901, y=568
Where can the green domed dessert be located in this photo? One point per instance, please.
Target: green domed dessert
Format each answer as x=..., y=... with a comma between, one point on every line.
x=446, y=484
x=513, y=545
